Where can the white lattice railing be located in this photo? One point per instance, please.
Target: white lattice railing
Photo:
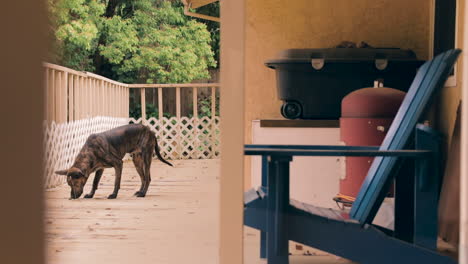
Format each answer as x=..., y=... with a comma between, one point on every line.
x=62, y=142
x=183, y=137
x=186, y=138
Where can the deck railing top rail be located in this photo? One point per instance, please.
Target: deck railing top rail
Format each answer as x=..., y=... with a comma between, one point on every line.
x=172, y=85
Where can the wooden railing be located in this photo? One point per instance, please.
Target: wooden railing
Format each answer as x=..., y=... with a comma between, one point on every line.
x=194, y=86
x=76, y=103
x=73, y=95
x=183, y=136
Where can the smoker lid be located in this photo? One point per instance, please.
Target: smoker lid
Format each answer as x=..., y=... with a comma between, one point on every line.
x=342, y=55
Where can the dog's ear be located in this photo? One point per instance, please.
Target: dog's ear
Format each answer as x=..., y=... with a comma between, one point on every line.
x=61, y=172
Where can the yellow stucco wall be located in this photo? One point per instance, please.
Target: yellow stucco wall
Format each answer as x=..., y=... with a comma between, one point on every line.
x=274, y=25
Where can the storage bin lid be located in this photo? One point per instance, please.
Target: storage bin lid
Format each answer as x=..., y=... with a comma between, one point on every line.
x=321, y=56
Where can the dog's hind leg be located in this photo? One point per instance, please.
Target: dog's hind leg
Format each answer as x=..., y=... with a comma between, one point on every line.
x=118, y=177
x=148, y=157
x=97, y=178
x=139, y=166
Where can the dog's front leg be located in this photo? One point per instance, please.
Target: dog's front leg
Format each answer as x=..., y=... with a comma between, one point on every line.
x=97, y=178
x=118, y=177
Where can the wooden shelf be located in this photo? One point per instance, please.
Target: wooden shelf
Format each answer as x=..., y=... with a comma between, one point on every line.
x=299, y=123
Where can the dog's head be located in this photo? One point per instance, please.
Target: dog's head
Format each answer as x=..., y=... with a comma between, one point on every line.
x=76, y=179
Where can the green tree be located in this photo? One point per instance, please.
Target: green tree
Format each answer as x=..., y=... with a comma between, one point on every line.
x=212, y=26
x=74, y=27
x=148, y=41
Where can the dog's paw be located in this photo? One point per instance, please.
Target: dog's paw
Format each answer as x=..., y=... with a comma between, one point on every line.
x=88, y=196
x=112, y=196
x=140, y=194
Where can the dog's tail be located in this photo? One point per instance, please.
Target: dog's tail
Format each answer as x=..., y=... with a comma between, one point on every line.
x=158, y=154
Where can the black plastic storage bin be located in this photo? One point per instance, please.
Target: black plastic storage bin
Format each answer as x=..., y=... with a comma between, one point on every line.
x=312, y=82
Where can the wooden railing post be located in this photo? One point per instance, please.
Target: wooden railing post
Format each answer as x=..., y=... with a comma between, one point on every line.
x=213, y=102
x=178, y=102
x=66, y=114
x=196, y=141
x=102, y=99
x=82, y=97
x=64, y=97
x=58, y=96
x=46, y=95
x=52, y=101
x=108, y=99
x=121, y=101
x=143, y=105
x=127, y=95
x=178, y=125
x=160, y=105
x=92, y=98
x=213, y=121
x=77, y=97
x=86, y=97
x=112, y=100
x=71, y=98
x=115, y=102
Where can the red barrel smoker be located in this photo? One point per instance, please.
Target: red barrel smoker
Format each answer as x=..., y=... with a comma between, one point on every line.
x=366, y=115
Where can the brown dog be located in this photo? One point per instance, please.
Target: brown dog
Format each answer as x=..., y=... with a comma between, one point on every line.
x=106, y=150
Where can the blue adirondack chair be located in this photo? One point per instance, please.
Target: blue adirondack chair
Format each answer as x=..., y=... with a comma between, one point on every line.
x=353, y=236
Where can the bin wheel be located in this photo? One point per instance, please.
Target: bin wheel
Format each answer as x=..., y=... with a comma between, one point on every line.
x=291, y=110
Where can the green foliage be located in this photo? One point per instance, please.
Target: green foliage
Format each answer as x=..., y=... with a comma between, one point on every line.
x=151, y=111
x=121, y=39
x=212, y=26
x=144, y=41
x=75, y=27
x=204, y=106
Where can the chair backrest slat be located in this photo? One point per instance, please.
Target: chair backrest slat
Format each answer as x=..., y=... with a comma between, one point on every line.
x=430, y=78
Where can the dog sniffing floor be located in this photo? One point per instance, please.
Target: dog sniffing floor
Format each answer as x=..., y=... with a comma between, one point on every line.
x=177, y=222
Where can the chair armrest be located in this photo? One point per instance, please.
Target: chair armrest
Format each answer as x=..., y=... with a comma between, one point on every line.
x=317, y=147
x=352, y=152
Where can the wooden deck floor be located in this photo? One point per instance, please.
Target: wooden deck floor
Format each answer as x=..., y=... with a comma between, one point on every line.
x=177, y=222
x=174, y=223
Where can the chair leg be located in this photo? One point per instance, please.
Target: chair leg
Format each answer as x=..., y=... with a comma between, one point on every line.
x=263, y=245
x=278, y=202
x=404, y=202
x=263, y=237
x=426, y=192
